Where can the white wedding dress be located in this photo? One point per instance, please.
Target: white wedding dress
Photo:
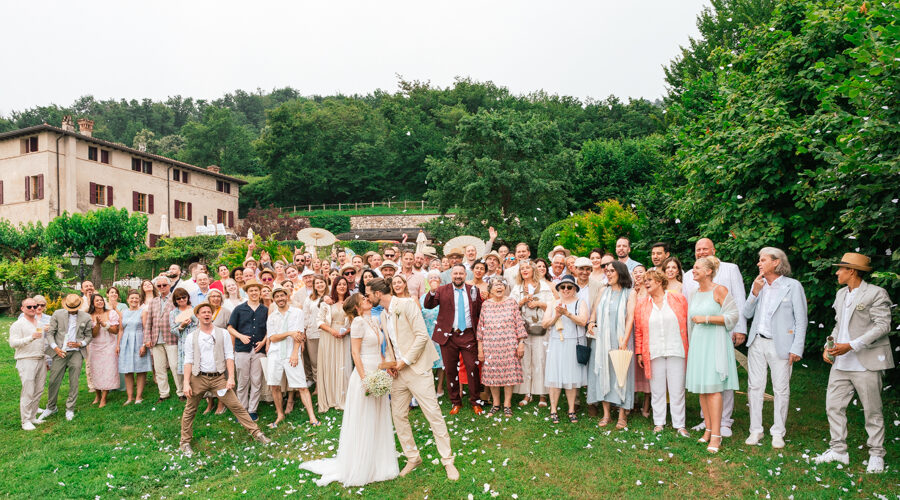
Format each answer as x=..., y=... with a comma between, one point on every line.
x=366, y=451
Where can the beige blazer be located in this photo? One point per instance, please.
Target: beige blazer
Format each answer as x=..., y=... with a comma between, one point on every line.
x=870, y=323
x=411, y=339
x=59, y=326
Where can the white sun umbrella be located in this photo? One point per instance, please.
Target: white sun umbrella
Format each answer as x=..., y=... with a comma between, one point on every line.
x=250, y=234
x=164, y=225
x=314, y=237
x=421, y=241
x=463, y=242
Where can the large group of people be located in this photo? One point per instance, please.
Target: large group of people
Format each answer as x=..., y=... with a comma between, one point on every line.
x=502, y=323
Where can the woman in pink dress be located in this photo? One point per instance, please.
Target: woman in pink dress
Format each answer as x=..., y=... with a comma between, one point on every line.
x=501, y=344
x=102, y=349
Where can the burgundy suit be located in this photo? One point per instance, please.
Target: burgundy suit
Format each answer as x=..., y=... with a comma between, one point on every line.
x=453, y=344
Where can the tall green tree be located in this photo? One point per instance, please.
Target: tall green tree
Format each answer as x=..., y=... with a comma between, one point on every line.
x=105, y=232
x=219, y=140
x=21, y=242
x=503, y=169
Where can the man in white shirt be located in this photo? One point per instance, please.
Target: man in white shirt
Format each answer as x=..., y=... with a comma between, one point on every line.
x=209, y=367
x=67, y=336
x=557, y=268
x=523, y=252
x=26, y=336
x=730, y=277
x=284, y=327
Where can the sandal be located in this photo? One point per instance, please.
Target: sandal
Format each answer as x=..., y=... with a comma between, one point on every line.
x=622, y=423
x=525, y=401
x=542, y=404
x=604, y=422
x=718, y=442
x=493, y=411
x=507, y=411
x=705, y=438
x=683, y=433
x=573, y=417
x=316, y=423
x=554, y=418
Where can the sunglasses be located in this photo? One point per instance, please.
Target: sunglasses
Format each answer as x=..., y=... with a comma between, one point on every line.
x=566, y=287
x=389, y=255
x=349, y=273
x=31, y=307
x=182, y=298
x=42, y=305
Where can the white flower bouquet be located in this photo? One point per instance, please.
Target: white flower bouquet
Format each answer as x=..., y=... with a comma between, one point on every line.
x=378, y=383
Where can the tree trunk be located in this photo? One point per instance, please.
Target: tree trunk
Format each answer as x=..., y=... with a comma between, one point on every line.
x=97, y=272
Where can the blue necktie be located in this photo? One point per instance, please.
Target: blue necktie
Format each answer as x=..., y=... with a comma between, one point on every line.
x=460, y=308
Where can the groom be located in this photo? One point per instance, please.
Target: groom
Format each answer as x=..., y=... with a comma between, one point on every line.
x=414, y=356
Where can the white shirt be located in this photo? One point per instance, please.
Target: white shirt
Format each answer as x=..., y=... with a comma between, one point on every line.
x=465, y=306
x=70, y=334
x=848, y=362
x=584, y=292
x=767, y=306
x=664, y=332
x=278, y=322
x=729, y=276
x=207, y=343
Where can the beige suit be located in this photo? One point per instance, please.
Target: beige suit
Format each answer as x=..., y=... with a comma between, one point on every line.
x=869, y=325
x=405, y=326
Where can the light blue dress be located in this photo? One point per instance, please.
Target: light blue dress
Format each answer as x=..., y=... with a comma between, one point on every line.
x=563, y=371
x=181, y=334
x=430, y=316
x=130, y=360
x=711, y=366
x=610, y=393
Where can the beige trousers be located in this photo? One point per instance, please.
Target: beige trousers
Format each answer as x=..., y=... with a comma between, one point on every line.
x=32, y=373
x=71, y=363
x=199, y=386
x=407, y=385
x=249, y=371
x=166, y=356
x=867, y=385
x=311, y=359
x=533, y=363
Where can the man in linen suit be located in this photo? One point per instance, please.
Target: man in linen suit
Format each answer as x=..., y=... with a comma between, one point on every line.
x=778, y=305
x=67, y=336
x=414, y=355
x=860, y=354
x=454, y=331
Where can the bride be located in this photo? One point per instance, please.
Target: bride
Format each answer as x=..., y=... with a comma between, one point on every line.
x=366, y=452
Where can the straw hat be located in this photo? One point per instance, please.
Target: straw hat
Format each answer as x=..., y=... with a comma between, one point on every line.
x=455, y=251
x=279, y=289
x=252, y=284
x=558, y=249
x=72, y=302
x=204, y=304
x=856, y=261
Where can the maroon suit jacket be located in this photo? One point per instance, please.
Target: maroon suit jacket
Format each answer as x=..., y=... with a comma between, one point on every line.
x=445, y=296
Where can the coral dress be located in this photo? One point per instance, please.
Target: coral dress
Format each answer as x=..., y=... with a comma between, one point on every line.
x=500, y=328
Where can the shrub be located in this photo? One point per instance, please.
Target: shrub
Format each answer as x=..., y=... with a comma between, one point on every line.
x=360, y=247
x=184, y=250
x=39, y=275
x=335, y=223
x=234, y=252
x=593, y=229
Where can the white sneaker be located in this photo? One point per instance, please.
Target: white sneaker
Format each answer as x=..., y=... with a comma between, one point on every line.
x=28, y=426
x=70, y=415
x=699, y=427
x=832, y=456
x=876, y=465
x=754, y=438
x=725, y=432
x=777, y=442
x=37, y=421
x=46, y=413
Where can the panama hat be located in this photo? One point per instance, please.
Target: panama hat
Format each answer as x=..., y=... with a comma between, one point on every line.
x=72, y=302
x=856, y=261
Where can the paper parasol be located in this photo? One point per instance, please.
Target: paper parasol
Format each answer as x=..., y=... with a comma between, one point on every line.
x=164, y=225
x=250, y=234
x=315, y=237
x=184, y=315
x=463, y=242
x=621, y=359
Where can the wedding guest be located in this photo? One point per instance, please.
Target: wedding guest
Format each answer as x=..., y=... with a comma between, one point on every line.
x=455, y=332
x=67, y=336
x=102, y=349
x=479, y=269
x=199, y=294
x=596, y=257
x=541, y=274
x=284, y=330
x=454, y=257
x=334, y=349
x=160, y=341
x=674, y=273
x=711, y=369
x=778, y=304
x=26, y=336
x=612, y=330
x=565, y=323
x=641, y=383
x=623, y=251
x=493, y=263
x=661, y=344
x=533, y=296
x=182, y=321
x=208, y=367
x=113, y=300
x=311, y=307
x=861, y=352
x=659, y=252
x=247, y=325
x=224, y=274
x=501, y=344
x=430, y=316
x=148, y=292
x=233, y=295
x=134, y=359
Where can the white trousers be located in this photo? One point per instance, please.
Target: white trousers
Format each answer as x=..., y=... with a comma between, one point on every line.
x=166, y=356
x=760, y=357
x=32, y=373
x=667, y=374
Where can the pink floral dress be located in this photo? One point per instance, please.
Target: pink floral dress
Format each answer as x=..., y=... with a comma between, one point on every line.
x=500, y=328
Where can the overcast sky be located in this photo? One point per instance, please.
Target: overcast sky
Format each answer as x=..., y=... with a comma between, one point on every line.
x=60, y=50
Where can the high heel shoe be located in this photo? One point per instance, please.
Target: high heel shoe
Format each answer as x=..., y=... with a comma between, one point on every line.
x=705, y=438
x=711, y=448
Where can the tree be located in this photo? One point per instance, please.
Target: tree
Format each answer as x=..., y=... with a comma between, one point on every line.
x=105, y=232
x=599, y=228
x=219, y=140
x=24, y=278
x=23, y=242
x=503, y=169
x=616, y=168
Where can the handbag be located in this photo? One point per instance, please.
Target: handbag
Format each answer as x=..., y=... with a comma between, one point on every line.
x=533, y=321
x=582, y=352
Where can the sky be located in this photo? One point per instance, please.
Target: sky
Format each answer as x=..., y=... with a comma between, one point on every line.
x=202, y=49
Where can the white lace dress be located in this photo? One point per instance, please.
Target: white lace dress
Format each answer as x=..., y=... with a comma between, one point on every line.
x=366, y=451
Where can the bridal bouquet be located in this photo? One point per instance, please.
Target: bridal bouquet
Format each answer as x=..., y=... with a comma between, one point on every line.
x=378, y=383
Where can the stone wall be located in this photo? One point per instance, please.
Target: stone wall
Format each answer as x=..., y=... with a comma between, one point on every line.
x=390, y=221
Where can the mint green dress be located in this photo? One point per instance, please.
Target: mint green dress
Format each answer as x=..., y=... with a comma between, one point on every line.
x=710, y=366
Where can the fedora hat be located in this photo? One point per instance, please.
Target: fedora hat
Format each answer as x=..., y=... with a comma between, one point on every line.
x=558, y=249
x=252, y=284
x=570, y=280
x=455, y=251
x=72, y=302
x=279, y=289
x=203, y=304
x=856, y=261
x=493, y=254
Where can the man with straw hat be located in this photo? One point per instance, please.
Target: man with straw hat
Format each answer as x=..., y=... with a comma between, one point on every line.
x=860, y=353
x=247, y=325
x=67, y=336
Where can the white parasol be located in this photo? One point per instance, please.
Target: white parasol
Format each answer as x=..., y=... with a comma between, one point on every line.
x=250, y=234
x=463, y=242
x=315, y=237
x=164, y=225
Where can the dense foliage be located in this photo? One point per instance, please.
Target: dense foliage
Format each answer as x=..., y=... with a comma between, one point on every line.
x=25, y=278
x=597, y=228
x=336, y=223
x=183, y=251
x=24, y=241
x=271, y=223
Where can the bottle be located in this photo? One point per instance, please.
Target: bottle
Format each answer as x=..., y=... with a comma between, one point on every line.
x=829, y=344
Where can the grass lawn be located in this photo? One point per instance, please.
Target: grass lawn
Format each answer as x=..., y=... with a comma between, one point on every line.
x=131, y=452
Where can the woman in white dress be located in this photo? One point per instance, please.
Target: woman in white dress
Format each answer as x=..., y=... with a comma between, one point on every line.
x=366, y=451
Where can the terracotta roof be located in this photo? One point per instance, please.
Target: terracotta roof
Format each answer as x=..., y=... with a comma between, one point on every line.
x=121, y=147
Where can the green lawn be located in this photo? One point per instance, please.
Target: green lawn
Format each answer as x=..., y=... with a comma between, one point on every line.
x=130, y=452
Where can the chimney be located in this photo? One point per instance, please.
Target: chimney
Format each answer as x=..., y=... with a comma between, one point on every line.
x=67, y=124
x=85, y=126
x=213, y=168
